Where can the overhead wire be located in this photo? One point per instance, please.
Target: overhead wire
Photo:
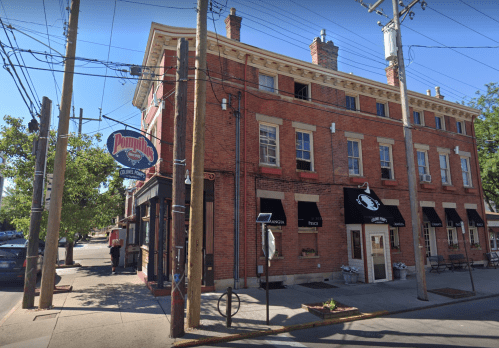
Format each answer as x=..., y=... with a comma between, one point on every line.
x=486, y=15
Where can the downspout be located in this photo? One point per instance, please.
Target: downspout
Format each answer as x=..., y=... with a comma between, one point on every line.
x=244, y=195
x=237, y=192
x=480, y=189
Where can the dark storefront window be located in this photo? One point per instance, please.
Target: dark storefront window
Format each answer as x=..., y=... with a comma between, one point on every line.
x=356, y=247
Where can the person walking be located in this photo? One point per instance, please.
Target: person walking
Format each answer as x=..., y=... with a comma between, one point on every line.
x=115, y=254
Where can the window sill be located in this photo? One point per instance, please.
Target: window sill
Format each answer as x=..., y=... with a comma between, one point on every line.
x=308, y=175
x=309, y=257
x=427, y=186
x=448, y=188
x=396, y=252
x=262, y=258
x=476, y=248
x=308, y=231
x=470, y=190
x=357, y=179
x=389, y=182
x=271, y=170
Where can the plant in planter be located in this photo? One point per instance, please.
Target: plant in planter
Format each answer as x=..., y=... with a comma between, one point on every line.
x=396, y=248
x=400, y=270
x=307, y=252
x=476, y=246
x=454, y=247
x=350, y=274
x=330, y=304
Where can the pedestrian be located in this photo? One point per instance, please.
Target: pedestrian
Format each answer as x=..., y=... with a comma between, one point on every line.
x=115, y=254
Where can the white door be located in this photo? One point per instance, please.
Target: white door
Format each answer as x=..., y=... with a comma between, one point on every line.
x=429, y=240
x=378, y=262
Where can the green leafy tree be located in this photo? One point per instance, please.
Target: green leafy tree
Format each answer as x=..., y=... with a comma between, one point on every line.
x=487, y=135
x=93, y=192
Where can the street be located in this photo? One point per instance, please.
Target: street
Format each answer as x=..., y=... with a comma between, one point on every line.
x=468, y=324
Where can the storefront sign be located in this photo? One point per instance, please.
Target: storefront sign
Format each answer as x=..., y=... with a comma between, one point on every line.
x=130, y=173
x=132, y=149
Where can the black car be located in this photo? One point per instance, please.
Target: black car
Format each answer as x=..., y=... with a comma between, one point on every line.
x=13, y=260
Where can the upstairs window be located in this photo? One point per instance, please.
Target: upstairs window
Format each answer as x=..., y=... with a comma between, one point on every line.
x=465, y=168
x=459, y=127
x=422, y=163
x=354, y=158
x=266, y=83
x=350, y=103
x=301, y=91
x=444, y=169
x=304, y=151
x=268, y=144
x=380, y=109
x=416, y=117
x=386, y=162
x=438, y=122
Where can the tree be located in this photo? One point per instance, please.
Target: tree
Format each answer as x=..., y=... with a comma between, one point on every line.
x=487, y=137
x=93, y=191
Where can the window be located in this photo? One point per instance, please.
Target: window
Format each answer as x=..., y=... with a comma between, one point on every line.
x=444, y=169
x=269, y=144
x=438, y=122
x=459, y=127
x=356, y=246
x=473, y=234
x=465, y=168
x=380, y=109
x=422, y=163
x=451, y=234
x=301, y=91
x=304, y=151
x=385, y=157
x=354, y=158
x=350, y=103
x=266, y=83
x=416, y=117
x=394, y=238
x=494, y=240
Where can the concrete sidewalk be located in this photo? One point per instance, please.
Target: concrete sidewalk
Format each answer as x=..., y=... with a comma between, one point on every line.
x=105, y=310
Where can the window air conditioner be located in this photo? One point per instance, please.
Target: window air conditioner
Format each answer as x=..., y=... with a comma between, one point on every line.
x=425, y=177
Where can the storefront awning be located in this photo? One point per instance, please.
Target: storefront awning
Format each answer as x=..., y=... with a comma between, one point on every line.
x=274, y=206
x=453, y=216
x=364, y=208
x=308, y=215
x=398, y=219
x=474, y=217
x=432, y=216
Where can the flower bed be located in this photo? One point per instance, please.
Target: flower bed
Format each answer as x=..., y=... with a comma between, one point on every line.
x=340, y=311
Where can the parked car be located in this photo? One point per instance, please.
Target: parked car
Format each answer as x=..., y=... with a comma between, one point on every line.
x=19, y=234
x=13, y=260
x=10, y=234
x=62, y=242
x=3, y=236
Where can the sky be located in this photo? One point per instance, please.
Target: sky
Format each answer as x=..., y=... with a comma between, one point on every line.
x=117, y=31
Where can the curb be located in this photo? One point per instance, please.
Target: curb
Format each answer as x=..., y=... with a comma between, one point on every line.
x=4, y=319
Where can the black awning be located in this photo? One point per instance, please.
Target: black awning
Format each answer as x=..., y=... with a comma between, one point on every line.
x=398, y=219
x=453, y=216
x=274, y=206
x=308, y=215
x=364, y=208
x=432, y=216
x=474, y=217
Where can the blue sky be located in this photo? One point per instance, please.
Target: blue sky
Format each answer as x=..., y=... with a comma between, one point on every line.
x=285, y=27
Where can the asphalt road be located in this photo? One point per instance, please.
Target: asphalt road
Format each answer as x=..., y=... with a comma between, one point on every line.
x=468, y=324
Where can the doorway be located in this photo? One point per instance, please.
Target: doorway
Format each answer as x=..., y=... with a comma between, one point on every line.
x=430, y=242
x=379, y=264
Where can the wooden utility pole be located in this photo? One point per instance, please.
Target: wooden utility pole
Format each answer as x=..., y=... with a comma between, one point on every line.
x=178, y=207
x=54, y=219
x=196, y=222
x=36, y=206
x=411, y=168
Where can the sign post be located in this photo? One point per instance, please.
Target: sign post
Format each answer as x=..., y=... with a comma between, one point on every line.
x=265, y=218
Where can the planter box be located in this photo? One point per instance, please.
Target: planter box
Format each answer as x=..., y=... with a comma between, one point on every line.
x=400, y=274
x=350, y=278
x=341, y=310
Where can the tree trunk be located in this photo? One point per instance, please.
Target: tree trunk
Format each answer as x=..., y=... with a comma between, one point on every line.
x=69, y=253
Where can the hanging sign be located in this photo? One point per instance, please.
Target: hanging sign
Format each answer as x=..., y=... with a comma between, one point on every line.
x=131, y=173
x=132, y=149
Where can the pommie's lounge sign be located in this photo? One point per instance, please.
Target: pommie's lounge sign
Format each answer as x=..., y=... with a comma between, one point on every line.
x=132, y=149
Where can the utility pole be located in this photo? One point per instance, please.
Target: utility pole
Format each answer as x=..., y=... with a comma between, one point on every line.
x=36, y=206
x=196, y=222
x=409, y=148
x=178, y=206
x=54, y=219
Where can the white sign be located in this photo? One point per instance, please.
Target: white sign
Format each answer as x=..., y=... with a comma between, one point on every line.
x=49, y=190
x=368, y=202
x=271, y=244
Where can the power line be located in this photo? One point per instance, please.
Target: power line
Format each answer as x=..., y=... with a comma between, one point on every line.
x=486, y=15
x=48, y=37
x=163, y=6
x=108, y=53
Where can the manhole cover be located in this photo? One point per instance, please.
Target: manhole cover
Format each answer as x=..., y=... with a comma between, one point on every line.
x=452, y=293
x=45, y=316
x=318, y=285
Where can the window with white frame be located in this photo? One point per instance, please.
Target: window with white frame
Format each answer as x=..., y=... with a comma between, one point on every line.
x=474, y=241
x=416, y=116
x=439, y=122
x=354, y=157
x=465, y=168
x=444, y=168
x=266, y=82
x=381, y=109
x=422, y=162
x=350, y=103
x=385, y=157
x=451, y=234
x=304, y=157
x=459, y=127
x=394, y=238
x=269, y=144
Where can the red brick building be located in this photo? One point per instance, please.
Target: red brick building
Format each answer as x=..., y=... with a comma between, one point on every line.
x=309, y=137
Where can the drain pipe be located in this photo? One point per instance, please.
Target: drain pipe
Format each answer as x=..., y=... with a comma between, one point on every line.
x=245, y=176
x=237, y=192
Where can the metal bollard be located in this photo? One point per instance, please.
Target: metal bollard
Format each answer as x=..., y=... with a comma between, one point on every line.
x=228, y=309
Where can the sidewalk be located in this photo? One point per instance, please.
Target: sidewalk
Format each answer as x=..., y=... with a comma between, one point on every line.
x=106, y=310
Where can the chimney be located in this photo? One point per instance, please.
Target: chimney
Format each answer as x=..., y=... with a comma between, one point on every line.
x=392, y=75
x=437, y=93
x=233, y=25
x=428, y=92
x=324, y=53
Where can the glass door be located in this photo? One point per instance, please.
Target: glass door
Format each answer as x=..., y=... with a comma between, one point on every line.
x=378, y=257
